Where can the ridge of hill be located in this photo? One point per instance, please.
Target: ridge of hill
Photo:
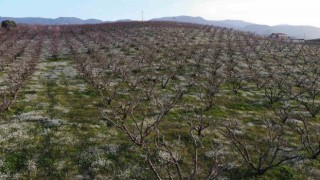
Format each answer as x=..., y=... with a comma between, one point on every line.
x=301, y=32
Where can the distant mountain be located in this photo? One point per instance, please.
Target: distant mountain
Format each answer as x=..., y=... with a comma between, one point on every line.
x=49, y=21
x=301, y=32
x=186, y=19
x=124, y=20
x=236, y=24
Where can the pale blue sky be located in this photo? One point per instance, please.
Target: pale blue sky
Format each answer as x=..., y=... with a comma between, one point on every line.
x=271, y=12
x=100, y=9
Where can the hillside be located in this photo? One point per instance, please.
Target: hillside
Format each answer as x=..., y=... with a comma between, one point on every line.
x=157, y=100
x=301, y=32
x=236, y=24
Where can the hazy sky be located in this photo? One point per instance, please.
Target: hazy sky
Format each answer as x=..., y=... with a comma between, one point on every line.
x=271, y=12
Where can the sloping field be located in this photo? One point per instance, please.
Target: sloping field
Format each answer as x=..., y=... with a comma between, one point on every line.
x=157, y=101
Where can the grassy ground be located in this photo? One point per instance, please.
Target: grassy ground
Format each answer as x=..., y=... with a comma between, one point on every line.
x=56, y=129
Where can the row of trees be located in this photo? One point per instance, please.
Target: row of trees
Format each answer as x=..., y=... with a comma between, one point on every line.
x=182, y=93
x=145, y=74
x=19, y=55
